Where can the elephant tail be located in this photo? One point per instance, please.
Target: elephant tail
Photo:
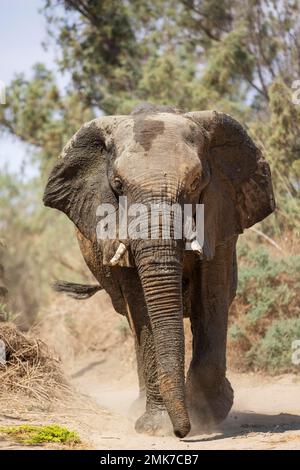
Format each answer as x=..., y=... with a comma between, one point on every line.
x=77, y=291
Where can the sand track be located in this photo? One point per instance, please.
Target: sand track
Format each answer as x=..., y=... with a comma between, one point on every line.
x=100, y=361
x=266, y=413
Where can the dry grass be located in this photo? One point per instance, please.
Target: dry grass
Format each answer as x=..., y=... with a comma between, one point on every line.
x=30, y=369
x=79, y=329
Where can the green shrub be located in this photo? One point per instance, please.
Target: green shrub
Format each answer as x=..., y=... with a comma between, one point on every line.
x=264, y=318
x=273, y=352
x=268, y=286
x=31, y=434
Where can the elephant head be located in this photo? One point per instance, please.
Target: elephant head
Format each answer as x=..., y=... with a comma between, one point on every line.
x=154, y=155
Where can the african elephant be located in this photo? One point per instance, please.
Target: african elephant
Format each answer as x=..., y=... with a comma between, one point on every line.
x=155, y=154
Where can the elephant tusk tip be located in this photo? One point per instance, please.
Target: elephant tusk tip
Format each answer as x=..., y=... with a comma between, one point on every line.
x=195, y=245
x=118, y=255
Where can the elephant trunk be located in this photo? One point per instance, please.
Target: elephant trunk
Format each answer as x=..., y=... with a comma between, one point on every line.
x=160, y=270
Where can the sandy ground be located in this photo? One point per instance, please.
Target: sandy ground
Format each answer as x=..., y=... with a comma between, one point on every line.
x=266, y=415
x=266, y=412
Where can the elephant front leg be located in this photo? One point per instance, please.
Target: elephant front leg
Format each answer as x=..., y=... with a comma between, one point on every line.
x=209, y=393
x=155, y=420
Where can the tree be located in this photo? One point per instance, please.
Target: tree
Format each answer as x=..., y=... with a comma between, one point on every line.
x=238, y=56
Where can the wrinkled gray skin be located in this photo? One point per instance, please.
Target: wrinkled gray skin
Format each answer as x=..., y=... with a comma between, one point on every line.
x=161, y=154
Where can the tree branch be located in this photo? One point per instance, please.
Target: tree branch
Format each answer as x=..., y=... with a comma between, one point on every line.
x=267, y=238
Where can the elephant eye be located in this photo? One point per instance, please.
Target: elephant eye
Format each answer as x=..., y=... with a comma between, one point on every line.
x=118, y=185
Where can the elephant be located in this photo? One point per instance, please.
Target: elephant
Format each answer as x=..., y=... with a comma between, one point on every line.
x=163, y=154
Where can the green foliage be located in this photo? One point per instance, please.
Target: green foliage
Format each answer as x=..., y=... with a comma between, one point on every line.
x=38, y=114
x=33, y=435
x=236, y=56
x=229, y=62
x=40, y=246
x=281, y=141
x=268, y=286
x=273, y=352
x=265, y=318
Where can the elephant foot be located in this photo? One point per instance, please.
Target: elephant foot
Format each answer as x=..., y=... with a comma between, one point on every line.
x=155, y=422
x=209, y=406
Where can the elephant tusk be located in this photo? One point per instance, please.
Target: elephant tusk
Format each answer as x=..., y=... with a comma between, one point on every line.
x=191, y=239
x=195, y=245
x=118, y=255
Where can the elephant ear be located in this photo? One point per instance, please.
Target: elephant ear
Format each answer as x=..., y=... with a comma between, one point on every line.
x=240, y=191
x=78, y=183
